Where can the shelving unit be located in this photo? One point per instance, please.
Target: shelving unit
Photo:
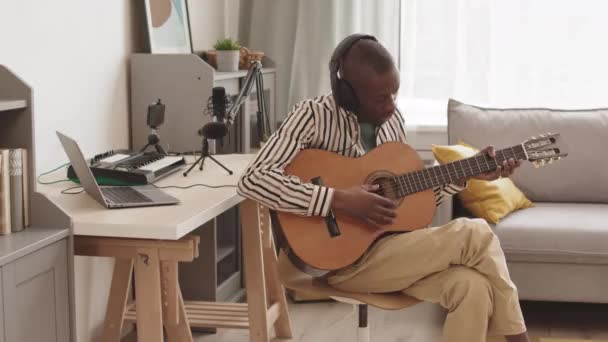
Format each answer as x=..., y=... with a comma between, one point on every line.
x=37, y=262
x=6, y=105
x=184, y=82
x=224, y=251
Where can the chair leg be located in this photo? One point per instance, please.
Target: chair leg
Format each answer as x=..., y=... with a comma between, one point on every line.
x=363, y=331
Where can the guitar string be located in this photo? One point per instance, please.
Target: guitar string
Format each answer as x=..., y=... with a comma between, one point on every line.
x=394, y=186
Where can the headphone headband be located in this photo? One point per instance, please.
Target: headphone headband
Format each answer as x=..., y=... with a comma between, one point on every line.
x=343, y=92
x=343, y=48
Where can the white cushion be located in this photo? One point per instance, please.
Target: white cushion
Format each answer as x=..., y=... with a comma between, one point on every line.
x=580, y=177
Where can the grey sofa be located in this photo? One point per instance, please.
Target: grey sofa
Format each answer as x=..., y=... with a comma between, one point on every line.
x=557, y=250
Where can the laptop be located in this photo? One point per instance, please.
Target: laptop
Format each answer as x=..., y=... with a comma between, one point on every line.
x=112, y=196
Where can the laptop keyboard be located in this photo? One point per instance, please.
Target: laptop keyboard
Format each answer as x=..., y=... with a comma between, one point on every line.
x=124, y=195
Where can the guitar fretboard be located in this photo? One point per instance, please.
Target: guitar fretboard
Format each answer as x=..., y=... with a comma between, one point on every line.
x=459, y=170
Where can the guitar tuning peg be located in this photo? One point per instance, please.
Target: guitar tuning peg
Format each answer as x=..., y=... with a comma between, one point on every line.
x=551, y=161
x=536, y=164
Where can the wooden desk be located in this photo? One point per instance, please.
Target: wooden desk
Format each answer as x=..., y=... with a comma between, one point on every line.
x=151, y=241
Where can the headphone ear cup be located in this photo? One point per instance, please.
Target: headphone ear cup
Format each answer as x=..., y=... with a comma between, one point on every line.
x=339, y=89
x=347, y=97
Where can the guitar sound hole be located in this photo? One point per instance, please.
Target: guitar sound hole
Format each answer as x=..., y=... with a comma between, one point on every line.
x=388, y=188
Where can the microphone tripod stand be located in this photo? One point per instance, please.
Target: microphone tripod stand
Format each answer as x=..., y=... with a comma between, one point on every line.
x=153, y=140
x=205, y=154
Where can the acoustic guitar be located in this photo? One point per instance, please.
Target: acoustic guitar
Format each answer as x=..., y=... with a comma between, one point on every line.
x=321, y=244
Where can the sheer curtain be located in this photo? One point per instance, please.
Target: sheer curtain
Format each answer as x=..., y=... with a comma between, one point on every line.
x=505, y=53
x=300, y=36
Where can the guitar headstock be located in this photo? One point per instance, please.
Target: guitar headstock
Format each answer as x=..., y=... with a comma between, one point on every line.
x=545, y=149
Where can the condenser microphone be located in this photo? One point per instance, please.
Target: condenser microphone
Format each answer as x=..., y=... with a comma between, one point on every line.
x=218, y=104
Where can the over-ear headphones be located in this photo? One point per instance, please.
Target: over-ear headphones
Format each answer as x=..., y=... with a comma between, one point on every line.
x=342, y=90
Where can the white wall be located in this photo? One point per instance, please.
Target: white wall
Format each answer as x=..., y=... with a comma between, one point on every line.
x=211, y=20
x=74, y=55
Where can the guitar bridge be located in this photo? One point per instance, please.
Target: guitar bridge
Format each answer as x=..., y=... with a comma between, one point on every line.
x=330, y=219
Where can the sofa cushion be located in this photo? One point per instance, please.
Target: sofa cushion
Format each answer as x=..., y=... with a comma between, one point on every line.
x=580, y=177
x=488, y=200
x=556, y=232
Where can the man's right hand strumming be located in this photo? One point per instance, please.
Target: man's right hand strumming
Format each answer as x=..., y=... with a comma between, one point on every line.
x=363, y=202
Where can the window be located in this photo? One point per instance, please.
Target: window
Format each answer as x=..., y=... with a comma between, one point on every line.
x=549, y=53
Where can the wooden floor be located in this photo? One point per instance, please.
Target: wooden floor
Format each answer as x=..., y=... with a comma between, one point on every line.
x=331, y=321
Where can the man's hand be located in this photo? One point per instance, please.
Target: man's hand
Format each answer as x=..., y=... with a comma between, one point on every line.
x=505, y=170
x=362, y=202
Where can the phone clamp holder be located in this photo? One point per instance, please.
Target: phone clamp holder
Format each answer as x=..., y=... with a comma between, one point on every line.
x=155, y=118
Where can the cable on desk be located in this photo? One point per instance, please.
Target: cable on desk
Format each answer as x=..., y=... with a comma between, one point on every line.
x=55, y=182
x=65, y=191
x=193, y=185
x=53, y=170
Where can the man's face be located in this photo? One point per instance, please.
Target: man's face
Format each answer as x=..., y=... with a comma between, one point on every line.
x=376, y=93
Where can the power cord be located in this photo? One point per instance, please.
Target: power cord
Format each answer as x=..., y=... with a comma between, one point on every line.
x=53, y=170
x=193, y=185
x=65, y=191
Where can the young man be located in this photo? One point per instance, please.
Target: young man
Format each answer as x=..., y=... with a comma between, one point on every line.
x=459, y=265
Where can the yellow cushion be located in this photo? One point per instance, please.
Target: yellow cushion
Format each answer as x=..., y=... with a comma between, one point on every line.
x=489, y=200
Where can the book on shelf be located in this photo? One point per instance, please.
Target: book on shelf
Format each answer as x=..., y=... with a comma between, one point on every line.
x=14, y=190
x=5, y=191
x=26, y=188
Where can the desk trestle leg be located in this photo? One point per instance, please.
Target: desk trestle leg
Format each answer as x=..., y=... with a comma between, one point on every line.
x=148, y=296
x=119, y=294
x=174, y=311
x=265, y=295
x=157, y=295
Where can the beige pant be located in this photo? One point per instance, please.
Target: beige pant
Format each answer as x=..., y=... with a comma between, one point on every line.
x=459, y=265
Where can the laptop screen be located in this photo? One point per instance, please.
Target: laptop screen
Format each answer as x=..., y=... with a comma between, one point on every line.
x=81, y=168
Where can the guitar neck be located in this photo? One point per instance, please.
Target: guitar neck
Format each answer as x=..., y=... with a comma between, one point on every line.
x=459, y=170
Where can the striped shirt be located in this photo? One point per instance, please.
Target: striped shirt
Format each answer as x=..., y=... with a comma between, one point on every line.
x=315, y=123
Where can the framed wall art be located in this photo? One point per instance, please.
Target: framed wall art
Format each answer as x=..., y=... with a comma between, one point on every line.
x=168, y=26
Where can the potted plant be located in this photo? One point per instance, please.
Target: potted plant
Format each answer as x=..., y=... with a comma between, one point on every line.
x=228, y=54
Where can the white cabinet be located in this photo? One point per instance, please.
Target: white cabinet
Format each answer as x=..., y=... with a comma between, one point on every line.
x=35, y=296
